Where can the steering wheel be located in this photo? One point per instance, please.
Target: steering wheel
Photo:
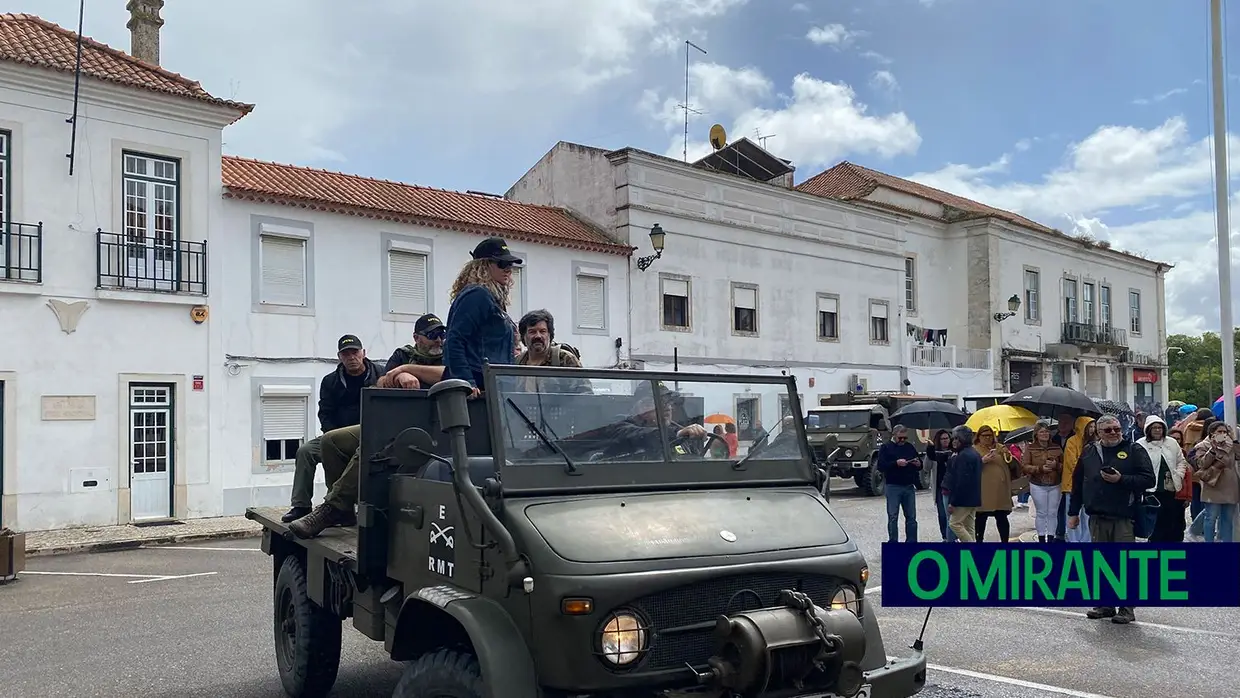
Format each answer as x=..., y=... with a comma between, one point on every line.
x=697, y=447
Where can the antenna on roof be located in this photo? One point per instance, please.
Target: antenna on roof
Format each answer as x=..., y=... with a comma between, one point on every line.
x=685, y=106
x=77, y=82
x=757, y=135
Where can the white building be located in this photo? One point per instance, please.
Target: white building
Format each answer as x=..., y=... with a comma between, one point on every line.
x=166, y=343
x=756, y=276
x=1089, y=317
x=104, y=258
x=313, y=255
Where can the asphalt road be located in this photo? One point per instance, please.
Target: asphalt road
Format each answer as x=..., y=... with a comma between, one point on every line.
x=196, y=622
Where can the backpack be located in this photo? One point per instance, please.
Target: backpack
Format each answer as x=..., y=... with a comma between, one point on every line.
x=557, y=358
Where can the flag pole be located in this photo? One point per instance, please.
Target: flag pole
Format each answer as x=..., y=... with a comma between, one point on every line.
x=1218, y=80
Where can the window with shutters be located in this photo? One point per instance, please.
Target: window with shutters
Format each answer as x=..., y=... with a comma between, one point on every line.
x=745, y=310
x=407, y=283
x=1033, y=293
x=516, y=295
x=880, y=329
x=591, y=302
x=674, y=301
x=1134, y=311
x=828, y=317
x=910, y=285
x=284, y=427
x=282, y=270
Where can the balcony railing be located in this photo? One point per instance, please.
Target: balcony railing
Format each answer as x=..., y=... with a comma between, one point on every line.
x=1100, y=335
x=930, y=356
x=21, y=252
x=140, y=263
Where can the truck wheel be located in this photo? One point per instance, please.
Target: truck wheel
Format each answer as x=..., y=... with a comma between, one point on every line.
x=871, y=481
x=307, y=637
x=442, y=674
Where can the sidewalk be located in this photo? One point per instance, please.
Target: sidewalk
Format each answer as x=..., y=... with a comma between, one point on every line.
x=104, y=538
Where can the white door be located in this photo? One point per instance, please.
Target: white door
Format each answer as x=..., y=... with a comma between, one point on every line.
x=150, y=450
x=150, y=222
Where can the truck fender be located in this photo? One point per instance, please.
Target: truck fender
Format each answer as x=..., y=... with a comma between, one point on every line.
x=875, y=651
x=424, y=625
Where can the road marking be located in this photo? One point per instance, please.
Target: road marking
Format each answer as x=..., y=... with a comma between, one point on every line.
x=1016, y=682
x=174, y=576
x=190, y=547
x=1080, y=614
x=95, y=574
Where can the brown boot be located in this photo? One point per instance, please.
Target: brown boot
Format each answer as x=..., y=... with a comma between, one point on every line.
x=323, y=517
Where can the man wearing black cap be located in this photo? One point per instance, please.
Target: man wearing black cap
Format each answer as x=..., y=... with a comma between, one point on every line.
x=638, y=436
x=340, y=405
x=417, y=365
x=480, y=330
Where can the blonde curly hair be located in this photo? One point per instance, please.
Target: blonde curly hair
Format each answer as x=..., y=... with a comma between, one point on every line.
x=478, y=272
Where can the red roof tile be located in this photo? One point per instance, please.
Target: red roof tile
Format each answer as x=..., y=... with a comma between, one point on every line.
x=849, y=182
x=334, y=192
x=34, y=41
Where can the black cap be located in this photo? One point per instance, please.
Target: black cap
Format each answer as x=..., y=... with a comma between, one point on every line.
x=496, y=250
x=349, y=341
x=426, y=323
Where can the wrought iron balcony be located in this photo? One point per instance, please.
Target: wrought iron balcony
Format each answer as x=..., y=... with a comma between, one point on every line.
x=21, y=252
x=138, y=262
x=1084, y=333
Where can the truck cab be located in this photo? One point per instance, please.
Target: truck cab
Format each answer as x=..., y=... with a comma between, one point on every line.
x=530, y=544
x=858, y=430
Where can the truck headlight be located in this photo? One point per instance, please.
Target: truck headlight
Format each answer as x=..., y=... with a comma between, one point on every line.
x=846, y=600
x=848, y=453
x=624, y=639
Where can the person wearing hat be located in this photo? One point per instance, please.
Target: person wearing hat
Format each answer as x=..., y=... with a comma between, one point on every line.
x=480, y=330
x=417, y=365
x=638, y=437
x=340, y=405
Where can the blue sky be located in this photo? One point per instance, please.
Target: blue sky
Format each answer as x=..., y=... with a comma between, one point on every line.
x=1091, y=116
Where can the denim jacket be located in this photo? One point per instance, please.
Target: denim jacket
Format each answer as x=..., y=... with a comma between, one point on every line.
x=479, y=331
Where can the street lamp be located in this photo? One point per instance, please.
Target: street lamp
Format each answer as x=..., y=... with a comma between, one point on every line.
x=1013, y=306
x=656, y=241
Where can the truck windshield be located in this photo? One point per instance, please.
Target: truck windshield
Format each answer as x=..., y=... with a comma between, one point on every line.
x=610, y=421
x=844, y=419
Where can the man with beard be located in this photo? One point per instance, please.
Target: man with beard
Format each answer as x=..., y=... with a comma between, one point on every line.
x=1109, y=480
x=536, y=331
x=421, y=361
x=340, y=405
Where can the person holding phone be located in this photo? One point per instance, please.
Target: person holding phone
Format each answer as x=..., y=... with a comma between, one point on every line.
x=1109, y=480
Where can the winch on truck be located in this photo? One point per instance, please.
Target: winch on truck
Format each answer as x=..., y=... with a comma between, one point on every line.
x=535, y=545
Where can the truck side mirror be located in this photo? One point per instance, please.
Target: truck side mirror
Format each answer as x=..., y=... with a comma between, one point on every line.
x=450, y=398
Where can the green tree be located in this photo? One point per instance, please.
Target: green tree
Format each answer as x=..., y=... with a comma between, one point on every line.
x=1196, y=375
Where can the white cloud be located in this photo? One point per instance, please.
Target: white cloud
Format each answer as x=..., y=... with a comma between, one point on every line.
x=884, y=81
x=876, y=57
x=1129, y=170
x=799, y=7
x=1143, y=101
x=817, y=124
x=322, y=76
x=832, y=35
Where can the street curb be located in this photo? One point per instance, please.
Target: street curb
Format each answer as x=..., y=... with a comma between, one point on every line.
x=132, y=543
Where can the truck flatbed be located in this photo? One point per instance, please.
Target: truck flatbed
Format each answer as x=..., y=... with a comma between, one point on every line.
x=336, y=544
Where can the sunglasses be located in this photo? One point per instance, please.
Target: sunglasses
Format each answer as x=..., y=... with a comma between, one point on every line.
x=1110, y=430
x=436, y=334
x=505, y=265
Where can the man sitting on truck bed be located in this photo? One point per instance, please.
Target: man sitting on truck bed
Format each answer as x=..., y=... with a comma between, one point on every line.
x=341, y=447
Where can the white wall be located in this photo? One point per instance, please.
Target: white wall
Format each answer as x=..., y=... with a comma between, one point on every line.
x=271, y=346
x=45, y=463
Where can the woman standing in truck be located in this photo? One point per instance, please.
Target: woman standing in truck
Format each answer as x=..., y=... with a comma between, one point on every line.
x=479, y=329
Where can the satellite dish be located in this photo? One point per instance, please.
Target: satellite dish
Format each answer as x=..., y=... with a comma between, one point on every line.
x=718, y=137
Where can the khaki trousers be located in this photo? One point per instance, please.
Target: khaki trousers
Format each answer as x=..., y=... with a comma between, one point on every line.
x=340, y=454
x=962, y=521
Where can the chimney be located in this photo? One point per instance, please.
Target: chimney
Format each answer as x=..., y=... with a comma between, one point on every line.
x=144, y=24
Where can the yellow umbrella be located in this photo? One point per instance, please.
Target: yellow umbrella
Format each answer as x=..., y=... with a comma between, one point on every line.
x=1001, y=418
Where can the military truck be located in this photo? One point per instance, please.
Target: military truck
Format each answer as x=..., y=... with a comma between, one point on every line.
x=524, y=545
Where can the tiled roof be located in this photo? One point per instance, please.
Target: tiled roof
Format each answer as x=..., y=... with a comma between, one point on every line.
x=334, y=192
x=848, y=181
x=34, y=41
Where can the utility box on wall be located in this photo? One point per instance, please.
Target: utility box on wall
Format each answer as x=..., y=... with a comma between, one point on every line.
x=12, y=554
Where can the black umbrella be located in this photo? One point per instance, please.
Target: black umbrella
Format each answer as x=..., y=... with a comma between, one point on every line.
x=1114, y=407
x=929, y=414
x=1053, y=400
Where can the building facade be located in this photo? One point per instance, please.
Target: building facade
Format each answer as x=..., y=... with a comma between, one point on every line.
x=1052, y=308
x=103, y=259
x=755, y=277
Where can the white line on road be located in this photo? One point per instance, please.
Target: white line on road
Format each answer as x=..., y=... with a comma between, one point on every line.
x=94, y=574
x=1015, y=682
x=873, y=591
x=174, y=576
x=191, y=547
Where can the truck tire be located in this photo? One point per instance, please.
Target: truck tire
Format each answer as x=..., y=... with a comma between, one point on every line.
x=442, y=674
x=871, y=481
x=307, y=637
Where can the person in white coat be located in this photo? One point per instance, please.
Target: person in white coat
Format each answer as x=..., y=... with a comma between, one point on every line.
x=1170, y=469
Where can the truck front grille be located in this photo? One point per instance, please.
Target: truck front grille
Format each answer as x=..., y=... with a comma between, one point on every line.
x=683, y=618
